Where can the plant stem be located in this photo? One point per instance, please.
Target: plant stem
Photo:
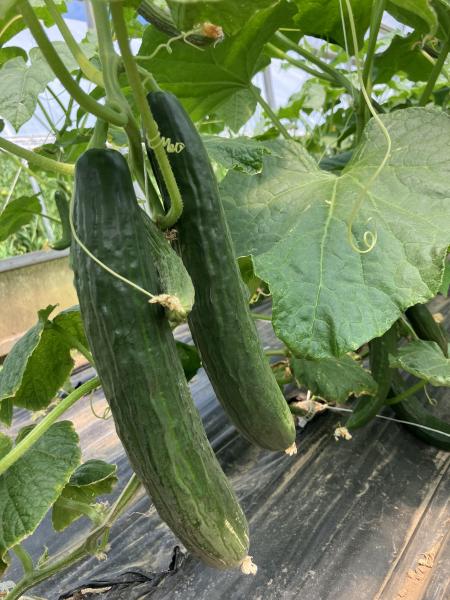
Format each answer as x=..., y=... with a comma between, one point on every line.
x=323, y=66
x=378, y=8
x=24, y=557
x=37, y=432
x=278, y=352
x=85, y=548
x=42, y=162
x=68, y=119
x=261, y=317
x=98, y=139
x=269, y=111
x=47, y=116
x=59, y=69
x=150, y=126
x=55, y=97
x=409, y=392
x=278, y=53
x=435, y=72
x=74, y=342
x=88, y=69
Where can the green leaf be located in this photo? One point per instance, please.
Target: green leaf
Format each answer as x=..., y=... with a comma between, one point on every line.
x=6, y=6
x=334, y=379
x=404, y=54
x=417, y=14
x=20, y=86
x=241, y=153
x=91, y=479
x=32, y=484
x=237, y=110
x=231, y=15
x=294, y=220
x=6, y=412
x=37, y=366
x=324, y=20
x=11, y=52
x=18, y=213
x=445, y=285
x=21, y=83
x=6, y=444
x=424, y=360
x=205, y=80
x=190, y=359
x=70, y=320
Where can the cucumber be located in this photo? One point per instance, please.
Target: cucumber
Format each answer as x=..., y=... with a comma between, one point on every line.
x=414, y=411
x=368, y=406
x=137, y=362
x=426, y=327
x=174, y=279
x=220, y=321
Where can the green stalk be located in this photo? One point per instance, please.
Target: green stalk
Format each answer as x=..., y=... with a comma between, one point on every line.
x=278, y=352
x=59, y=69
x=407, y=393
x=37, y=432
x=150, y=126
x=24, y=557
x=42, y=162
x=278, y=53
x=89, y=546
x=88, y=69
x=337, y=76
x=261, y=317
x=269, y=111
x=55, y=97
x=98, y=139
x=47, y=116
x=435, y=72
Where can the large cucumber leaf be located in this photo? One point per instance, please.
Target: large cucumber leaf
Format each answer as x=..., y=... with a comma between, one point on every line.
x=32, y=484
x=240, y=153
x=207, y=80
x=424, y=360
x=418, y=14
x=334, y=379
x=404, y=54
x=293, y=219
x=18, y=212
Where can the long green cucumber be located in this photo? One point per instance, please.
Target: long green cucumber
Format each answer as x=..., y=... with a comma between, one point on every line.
x=414, y=411
x=173, y=276
x=368, y=406
x=220, y=321
x=136, y=359
x=426, y=327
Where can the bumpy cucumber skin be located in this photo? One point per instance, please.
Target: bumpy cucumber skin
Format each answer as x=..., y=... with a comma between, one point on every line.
x=220, y=321
x=368, y=406
x=136, y=359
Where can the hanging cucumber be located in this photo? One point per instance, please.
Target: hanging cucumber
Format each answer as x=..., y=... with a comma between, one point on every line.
x=137, y=362
x=220, y=321
x=368, y=406
x=174, y=279
x=62, y=205
x=426, y=327
x=414, y=411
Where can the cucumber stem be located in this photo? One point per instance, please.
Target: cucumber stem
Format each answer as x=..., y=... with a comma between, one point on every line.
x=24, y=557
x=87, y=68
x=42, y=162
x=435, y=72
x=37, y=432
x=150, y=126
x=270, y=112
x=407, y=393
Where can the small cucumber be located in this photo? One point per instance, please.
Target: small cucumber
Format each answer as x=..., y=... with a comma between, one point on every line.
x=63, y=207
x=426, y=327
x=368, y=406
